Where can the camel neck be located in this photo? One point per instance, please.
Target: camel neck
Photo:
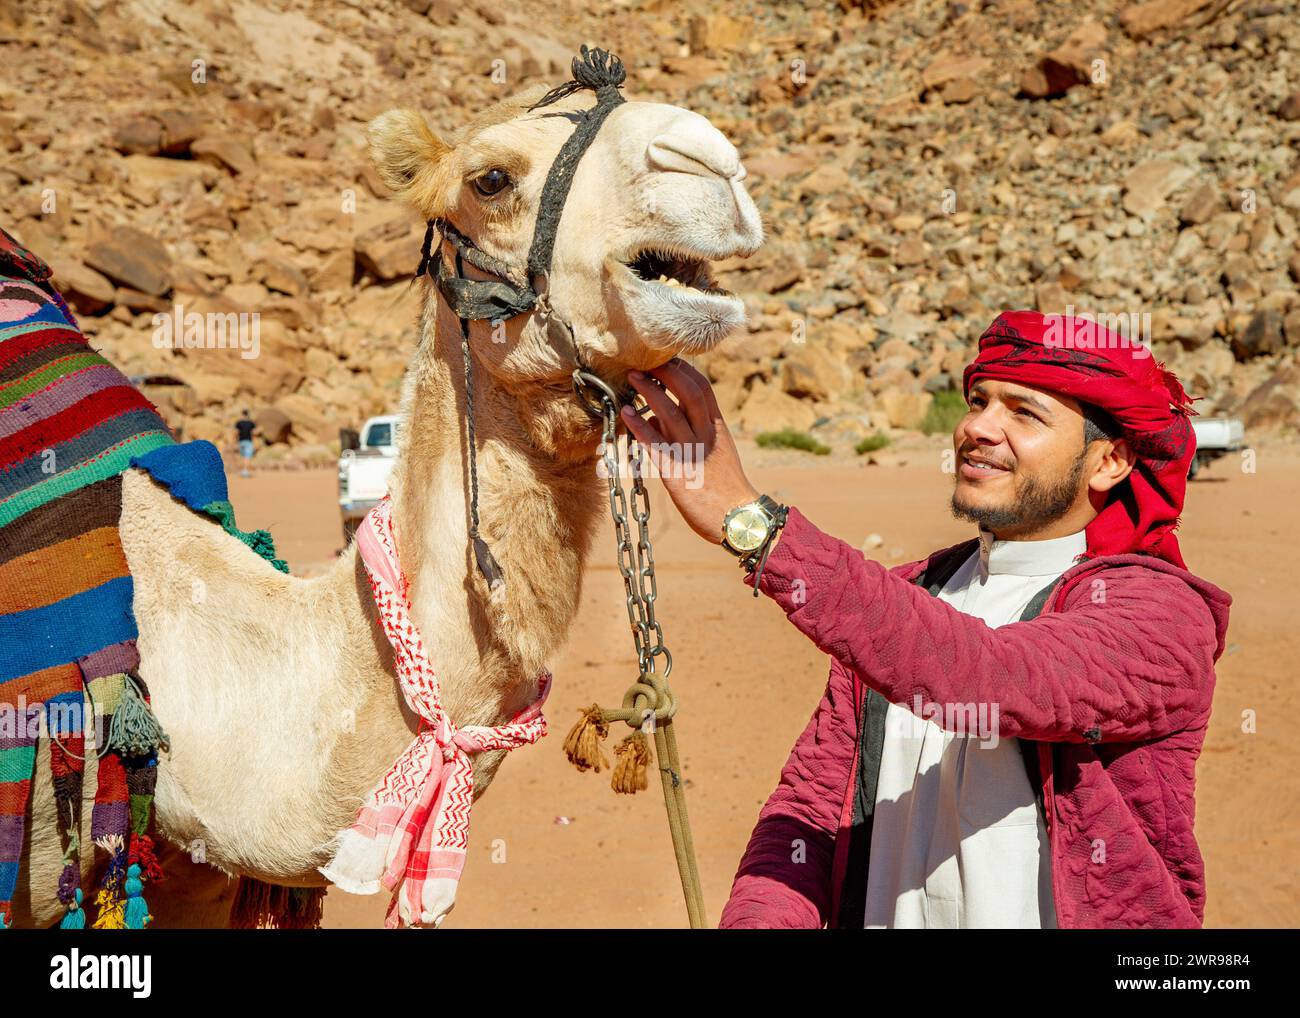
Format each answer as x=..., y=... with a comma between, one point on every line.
x=538, y=504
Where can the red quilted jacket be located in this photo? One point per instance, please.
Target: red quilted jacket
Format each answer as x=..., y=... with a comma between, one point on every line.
x=1110, y=685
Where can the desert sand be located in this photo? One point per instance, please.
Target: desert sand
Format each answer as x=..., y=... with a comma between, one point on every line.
x=551, y=847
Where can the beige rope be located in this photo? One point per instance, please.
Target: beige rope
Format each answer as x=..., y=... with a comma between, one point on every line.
x=647, y=702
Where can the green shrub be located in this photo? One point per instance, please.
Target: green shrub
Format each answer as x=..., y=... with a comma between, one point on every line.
x=789, y=438
x=947, y=409
x=871, y=443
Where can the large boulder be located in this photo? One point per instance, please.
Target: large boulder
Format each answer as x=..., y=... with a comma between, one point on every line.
x=309, y=420
x=225, y=151
x=1070, y=64
x=905, y=409
x=81, y=286
x=133, y=259
x=274, y=424
x=946, y=68
x=1262, y=336
x=391, y=249
x=1141, y=20
x=139, y=136
x=768, y=408
x=1273, y=403
x=813, y=372
x=1148, y=185
x=1201, y=205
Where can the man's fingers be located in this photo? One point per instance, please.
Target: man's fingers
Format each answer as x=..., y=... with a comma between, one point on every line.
x=705, y=386
x=648, y=437
x=642, y=430
x=692, y=389
x=672, y=421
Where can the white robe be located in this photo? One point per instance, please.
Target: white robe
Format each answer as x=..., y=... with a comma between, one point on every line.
x=958, y=840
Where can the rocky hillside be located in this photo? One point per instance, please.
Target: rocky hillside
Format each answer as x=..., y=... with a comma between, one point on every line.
x=920, y=166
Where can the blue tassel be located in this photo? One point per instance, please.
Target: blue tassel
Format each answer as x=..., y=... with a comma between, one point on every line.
x=75, y=918
x=137, y=912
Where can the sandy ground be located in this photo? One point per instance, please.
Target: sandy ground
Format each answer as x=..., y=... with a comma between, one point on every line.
x=551, y=847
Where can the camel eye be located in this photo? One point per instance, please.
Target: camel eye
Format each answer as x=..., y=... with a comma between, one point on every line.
x=493, y=182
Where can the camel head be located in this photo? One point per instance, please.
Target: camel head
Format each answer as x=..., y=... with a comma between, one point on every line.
x=657, y=195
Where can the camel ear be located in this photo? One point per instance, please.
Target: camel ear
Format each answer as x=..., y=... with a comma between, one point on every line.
x=409, y=158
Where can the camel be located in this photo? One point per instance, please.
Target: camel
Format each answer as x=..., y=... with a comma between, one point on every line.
x=278, y=693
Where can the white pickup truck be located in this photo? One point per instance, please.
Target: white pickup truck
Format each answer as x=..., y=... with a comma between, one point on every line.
x=366, y=461
x=1215, y=437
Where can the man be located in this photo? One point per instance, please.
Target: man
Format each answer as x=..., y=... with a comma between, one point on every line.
x=1010, y=729
x=244, y=428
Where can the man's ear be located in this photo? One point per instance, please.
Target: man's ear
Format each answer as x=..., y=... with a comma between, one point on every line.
x=1116, y=463
x=410, y=159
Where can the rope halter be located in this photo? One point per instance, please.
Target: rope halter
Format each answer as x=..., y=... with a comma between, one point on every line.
x=510, y=294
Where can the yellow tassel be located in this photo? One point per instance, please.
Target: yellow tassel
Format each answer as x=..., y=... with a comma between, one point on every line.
x=112, y=910
x=582, y=746
x=633, y=757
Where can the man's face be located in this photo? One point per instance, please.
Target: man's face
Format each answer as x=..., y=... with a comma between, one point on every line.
x=1021, y=458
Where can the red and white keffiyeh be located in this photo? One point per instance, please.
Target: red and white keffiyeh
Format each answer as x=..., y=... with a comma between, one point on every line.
x=411, y=834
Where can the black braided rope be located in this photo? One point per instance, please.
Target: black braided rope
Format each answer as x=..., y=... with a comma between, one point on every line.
x=595, y=69
x=476, y=256
x=603, y=73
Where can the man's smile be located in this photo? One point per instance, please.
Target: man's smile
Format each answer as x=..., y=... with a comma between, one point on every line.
x=978, y=468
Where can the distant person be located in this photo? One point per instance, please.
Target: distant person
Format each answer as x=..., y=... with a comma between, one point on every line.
x=245, y=428
x=1009, y=734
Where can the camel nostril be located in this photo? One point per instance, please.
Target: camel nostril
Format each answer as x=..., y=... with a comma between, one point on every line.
x=693, y=145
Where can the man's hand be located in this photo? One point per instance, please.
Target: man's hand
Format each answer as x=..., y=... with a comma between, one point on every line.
x=690, y=446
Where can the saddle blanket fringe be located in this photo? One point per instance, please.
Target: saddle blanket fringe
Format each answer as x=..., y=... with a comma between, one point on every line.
x=70, y=424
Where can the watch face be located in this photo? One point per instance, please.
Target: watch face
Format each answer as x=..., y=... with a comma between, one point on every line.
x=747, y=528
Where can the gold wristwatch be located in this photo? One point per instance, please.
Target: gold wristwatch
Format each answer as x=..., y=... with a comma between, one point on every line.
x=749, y=530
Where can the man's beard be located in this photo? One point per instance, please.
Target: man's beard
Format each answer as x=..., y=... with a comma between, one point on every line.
x=1035, y=503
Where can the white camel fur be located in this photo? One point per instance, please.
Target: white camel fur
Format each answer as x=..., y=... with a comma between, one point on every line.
x=278, y=693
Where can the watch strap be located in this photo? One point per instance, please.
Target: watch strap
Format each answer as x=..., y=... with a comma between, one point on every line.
x=757, y=559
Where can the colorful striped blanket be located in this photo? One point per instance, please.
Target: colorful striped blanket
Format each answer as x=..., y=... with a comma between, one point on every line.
x=70, y=424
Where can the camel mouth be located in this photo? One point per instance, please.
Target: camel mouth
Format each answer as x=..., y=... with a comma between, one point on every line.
x=667, y=268
x=672, y=300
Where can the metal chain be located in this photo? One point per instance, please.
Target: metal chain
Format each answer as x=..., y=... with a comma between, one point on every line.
x=649, y=697
x=635, y=561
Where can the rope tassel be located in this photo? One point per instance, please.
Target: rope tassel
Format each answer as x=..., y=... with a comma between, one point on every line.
x=133, y=730
x=582, y=745
x=633, y=758
x=490, y=570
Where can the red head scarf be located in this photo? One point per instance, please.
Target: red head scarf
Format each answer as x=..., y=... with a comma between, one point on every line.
x=1079, y=358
